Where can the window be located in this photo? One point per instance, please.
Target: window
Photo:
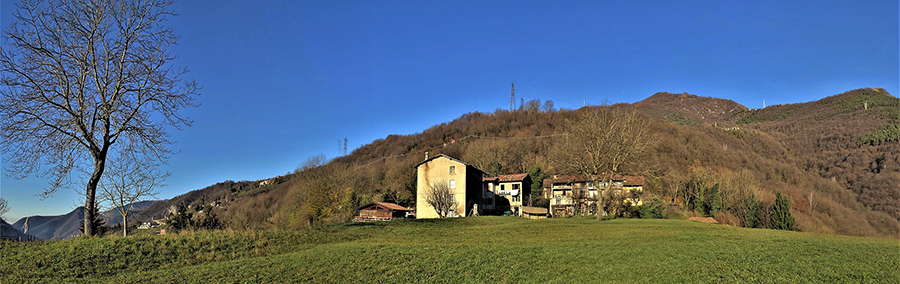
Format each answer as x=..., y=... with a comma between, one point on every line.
x=452, y=170
x=515, y=186
x=452, y=183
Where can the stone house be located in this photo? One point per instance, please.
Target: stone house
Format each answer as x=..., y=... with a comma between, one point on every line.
x=577, y=195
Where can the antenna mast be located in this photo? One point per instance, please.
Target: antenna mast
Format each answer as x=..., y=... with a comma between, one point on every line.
x=512, y=99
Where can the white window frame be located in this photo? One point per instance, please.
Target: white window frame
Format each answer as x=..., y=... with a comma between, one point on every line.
x=452, y=184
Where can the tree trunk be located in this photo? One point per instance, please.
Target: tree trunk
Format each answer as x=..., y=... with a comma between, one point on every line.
x=124, y=225
x=90, y=195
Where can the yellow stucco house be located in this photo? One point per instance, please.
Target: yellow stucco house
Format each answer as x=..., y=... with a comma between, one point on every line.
x=464, y=181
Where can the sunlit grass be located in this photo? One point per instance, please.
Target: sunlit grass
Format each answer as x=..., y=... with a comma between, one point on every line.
x=481, y=249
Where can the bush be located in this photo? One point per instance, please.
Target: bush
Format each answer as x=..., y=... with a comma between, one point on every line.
x=653, y=210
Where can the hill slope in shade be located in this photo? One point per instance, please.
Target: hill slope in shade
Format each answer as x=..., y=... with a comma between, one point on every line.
x=8, y=232
x=53, y=227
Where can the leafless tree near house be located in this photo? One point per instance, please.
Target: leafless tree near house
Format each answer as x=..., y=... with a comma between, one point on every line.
x=441, y=198
x=603, y=142
x=4, y=208
x=86, y=79
x=129, y=179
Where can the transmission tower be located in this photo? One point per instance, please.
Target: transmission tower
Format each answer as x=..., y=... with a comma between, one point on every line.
x=512, y=99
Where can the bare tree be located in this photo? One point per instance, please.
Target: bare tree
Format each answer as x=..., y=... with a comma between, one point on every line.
x=548, y=107
x=602, y=143
x=129, y=180
x=4, y=208
x=441, y=198
x=812, y=201
x=312, y=162
x=85, y=79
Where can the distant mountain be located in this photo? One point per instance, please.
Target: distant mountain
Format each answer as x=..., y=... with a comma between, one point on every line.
x=8, y=232
x=112, y=217
x=53, y=227
x=69, y=225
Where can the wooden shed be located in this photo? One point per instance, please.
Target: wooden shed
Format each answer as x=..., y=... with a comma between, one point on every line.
x=380, y=211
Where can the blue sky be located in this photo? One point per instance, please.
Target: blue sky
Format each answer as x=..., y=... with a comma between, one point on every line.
x=285, y=80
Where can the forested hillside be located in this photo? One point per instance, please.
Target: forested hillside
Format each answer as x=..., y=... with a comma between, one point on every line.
x=836, y=160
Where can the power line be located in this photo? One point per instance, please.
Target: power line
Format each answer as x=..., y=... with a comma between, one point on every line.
x=461, y=139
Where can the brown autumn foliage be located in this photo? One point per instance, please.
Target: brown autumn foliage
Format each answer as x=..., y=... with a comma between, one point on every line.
x=799, y=149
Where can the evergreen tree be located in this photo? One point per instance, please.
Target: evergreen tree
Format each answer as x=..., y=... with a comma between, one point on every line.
x=781, y=217
x=699, y=200
x=537, y=183
x=751, y=217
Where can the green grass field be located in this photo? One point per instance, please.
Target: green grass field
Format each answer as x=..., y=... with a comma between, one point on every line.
x=465, y=250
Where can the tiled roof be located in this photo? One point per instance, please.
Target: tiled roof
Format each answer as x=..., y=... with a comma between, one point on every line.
x=507, y=178
x=386, y=205
x=627, y=180
x=448, y=157
x=634, y=181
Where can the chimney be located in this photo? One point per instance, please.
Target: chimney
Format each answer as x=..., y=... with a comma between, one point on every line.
x=426, y=155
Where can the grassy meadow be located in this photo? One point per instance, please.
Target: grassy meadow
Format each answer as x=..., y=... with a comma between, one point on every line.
x=463, y=250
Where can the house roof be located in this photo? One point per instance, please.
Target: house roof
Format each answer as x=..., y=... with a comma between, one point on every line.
x=438, y=156
x=507, y=178
x=385, y=205
x=634, y=181
x=581, y=178
x=627, y=180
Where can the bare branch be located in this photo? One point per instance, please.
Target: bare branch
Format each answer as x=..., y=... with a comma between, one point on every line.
x=440, y=196
x=83, y=80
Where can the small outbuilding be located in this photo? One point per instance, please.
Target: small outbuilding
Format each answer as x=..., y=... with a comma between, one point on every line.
x=535, y=212
x=380, y=211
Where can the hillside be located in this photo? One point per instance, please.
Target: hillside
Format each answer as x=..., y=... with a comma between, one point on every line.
x=8, y=232
x=53, y=227
x=463, y=250
x=812, y=152
x=688, y=109
x=809, y=151
x=824, y=138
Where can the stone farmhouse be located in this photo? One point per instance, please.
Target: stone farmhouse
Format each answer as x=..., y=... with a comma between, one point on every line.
x=577, y=195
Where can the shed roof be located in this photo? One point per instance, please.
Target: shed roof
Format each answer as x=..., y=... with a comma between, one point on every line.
x=535, y=210
x=384, y=205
